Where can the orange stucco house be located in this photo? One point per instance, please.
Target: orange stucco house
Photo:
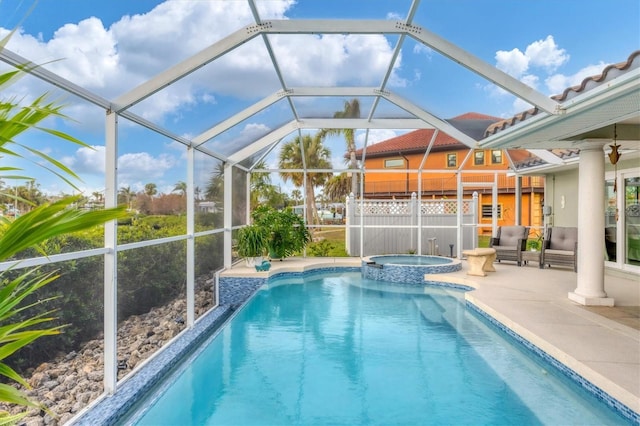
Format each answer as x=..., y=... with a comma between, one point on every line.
x=398, y=167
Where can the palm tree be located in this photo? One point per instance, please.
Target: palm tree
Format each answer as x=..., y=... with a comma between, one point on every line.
x=337, y=187
x=180, y=187
x=261, y=188
x=296, y=196
x=128, y=195
x=315, y=156
x=351, y=110
x=97, y=195
x=151, y=189
x=215, y=187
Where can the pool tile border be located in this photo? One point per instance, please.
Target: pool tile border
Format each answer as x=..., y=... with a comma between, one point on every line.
x=112, y=408
x=592, y=389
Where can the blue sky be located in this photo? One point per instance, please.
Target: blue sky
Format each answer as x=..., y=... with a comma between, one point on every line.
x=110, y=47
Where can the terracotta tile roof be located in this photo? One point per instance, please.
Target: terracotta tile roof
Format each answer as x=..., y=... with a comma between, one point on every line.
x=609, y=72
x=523, y=158
x=476, y=116
x=418, y=140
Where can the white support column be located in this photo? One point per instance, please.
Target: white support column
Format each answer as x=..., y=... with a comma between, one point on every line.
x=590, y=277
x=110, y=258
x=227, y=213
x=191, y=249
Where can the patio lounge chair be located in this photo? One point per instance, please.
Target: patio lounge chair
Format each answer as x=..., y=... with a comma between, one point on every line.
x=510, y=242
x=560, y=247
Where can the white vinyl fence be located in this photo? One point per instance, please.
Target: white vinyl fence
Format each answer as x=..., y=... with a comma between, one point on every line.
x=410, y=226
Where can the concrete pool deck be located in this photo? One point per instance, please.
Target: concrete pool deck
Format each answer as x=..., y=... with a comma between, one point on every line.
x=601, y=345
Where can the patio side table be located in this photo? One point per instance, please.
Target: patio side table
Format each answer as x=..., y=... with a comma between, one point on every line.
x=530, y=255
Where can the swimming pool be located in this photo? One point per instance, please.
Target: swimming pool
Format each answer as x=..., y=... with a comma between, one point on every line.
x=337, y=348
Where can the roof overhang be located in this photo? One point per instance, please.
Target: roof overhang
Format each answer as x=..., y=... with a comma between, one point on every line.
x=589, y=115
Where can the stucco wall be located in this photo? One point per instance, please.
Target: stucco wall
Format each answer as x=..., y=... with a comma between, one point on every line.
x=562, y=186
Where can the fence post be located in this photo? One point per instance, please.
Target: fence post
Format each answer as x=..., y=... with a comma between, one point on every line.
x=349, y=216
x=474, y=212
x=414, y=220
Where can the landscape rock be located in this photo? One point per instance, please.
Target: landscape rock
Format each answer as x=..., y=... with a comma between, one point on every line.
x=70, y=382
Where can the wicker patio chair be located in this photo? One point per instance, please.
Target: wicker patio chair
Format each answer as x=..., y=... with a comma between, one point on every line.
x=510, y=242
x=560, y=247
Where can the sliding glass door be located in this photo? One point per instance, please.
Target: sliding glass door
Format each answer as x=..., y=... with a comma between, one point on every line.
x=622, y=220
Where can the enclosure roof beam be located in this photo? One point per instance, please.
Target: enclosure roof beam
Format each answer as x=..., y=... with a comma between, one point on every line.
x=38, y=71
x=486, y=70
x=263, y=142
x=333, y=91
x=237, y=118
x=431, y=119
x=363, y=123
x=186, y=67
x=446, y=48
x=20, y=62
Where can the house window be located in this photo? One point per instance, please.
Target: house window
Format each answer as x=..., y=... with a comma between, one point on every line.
x=486, y=211
x=394, y=163
x=452, y=159
x=478, y=158
x=496, y=156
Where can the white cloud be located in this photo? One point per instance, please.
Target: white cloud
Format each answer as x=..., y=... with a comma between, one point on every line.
x=421, y=49
x=514, y=62
x=144, y=166
x=333, y=59
x=87, y=160
x=557, y=83
x=112, y=61
x=375, y=136
x=537, y=63
x=546, y=54
x=252, y=131
x=530, y=80
x=139, y=166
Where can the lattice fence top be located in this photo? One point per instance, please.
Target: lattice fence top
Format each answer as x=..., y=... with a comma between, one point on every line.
x=430, y=207
x=445, y=207
x=384, y=208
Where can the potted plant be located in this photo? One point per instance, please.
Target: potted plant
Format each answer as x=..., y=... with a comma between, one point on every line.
x=252, y=244
x=535, y=243
x=286, y=231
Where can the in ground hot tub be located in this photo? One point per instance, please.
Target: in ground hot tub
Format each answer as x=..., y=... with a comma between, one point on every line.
x=406, y=268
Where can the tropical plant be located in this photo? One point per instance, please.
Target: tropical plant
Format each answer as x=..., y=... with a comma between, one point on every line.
x=252, y=241
x=29, y=231
x=306, y=151
x=286, y=232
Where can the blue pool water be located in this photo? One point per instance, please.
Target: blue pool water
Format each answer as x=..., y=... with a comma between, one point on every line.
x=340, y=349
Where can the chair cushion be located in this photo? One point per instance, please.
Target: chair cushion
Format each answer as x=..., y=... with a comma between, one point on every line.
x=505, y=248
x=559, y=252
x=563, y=238
x=509, y=235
